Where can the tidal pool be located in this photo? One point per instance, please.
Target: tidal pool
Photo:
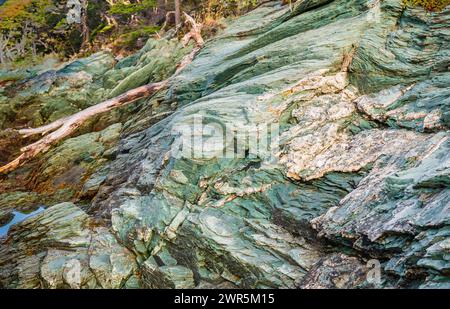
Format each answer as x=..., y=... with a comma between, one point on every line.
x=18, y=217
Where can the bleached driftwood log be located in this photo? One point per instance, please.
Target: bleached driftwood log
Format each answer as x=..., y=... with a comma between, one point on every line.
x=61, y=128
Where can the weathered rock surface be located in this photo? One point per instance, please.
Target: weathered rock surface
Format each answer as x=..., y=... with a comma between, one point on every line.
x=337, y=271
x=62, y=248
x=359, y=172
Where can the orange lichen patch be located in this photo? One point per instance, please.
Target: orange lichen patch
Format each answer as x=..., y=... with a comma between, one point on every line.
x=13, y=8
x=92, y=223
x=277, y=111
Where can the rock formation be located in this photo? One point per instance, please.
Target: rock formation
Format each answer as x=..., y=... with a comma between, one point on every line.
x=357, y=176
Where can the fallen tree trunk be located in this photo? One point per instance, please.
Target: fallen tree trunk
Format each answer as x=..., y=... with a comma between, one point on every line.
x=64, y=127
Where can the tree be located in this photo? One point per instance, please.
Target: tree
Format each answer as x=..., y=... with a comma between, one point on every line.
x=161, y=5
x=160, y=11
x=84, y=24
x=177, y=13
x=78, y=14
x=4, y=41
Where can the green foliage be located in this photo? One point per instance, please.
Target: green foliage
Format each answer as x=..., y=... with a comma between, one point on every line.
x=13, y=13
x=430, y=5
x=126, y=8
x=106, y=28
x=128, y=40
x=229, y=7
x=241, y=4
x=20, y=24
x=34, y=28
x=214, y=10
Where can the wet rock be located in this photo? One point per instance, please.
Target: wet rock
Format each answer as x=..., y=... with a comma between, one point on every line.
x=18, y=202
x=5, y=217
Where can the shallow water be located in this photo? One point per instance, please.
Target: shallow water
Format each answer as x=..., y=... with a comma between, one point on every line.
x=18, y=217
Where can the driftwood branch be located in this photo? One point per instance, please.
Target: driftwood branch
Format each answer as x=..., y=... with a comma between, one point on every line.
x=195, y=33
x=61, y=128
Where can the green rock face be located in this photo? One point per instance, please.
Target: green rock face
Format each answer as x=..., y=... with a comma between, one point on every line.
x=356, y=176
x=55, y=93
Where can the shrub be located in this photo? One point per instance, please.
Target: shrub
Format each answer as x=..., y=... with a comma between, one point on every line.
x=127, y=8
